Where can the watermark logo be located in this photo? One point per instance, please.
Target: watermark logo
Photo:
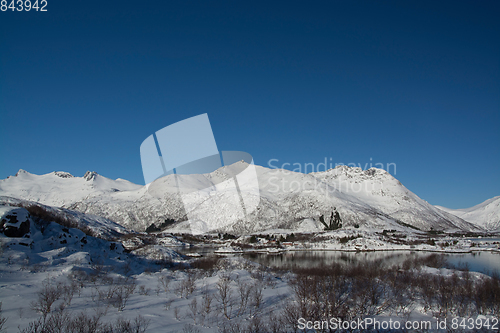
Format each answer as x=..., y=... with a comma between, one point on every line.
x=177, y=160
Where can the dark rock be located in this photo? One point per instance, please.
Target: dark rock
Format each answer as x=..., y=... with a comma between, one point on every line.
x=15, y=223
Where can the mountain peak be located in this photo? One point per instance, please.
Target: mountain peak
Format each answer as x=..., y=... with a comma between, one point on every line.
x=21, y=172
x=90, y=175
x=63, y=174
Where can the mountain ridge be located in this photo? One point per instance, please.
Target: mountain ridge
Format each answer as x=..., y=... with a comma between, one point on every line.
x=371, y=198
x=486, y=214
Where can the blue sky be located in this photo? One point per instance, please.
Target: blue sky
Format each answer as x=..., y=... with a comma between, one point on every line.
x=415, y=83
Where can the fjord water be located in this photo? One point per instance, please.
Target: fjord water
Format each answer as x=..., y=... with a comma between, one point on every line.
x=479, y=261
x=484, y=262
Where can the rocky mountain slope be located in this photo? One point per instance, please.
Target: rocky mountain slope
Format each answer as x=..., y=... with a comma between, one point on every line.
x=286, y=200
x=485, y=214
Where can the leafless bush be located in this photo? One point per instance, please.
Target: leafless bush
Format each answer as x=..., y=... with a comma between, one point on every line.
x=168, y=303
x=2, y=319
x=487, y=295
x=46, y=297
x=177, y=314
x=275, y=322
x=208, y=264
x=99, y=272
x=256, y=292
x=256, y=326
x=244, y=291
x=61, y=322
x=79, y=277
x=186, y=286
x=193, y=309
x=36, y=326
x=143, y=290
x=189, y=328
x=230, y=326
x=206, y=302
x=163, y=283
x=117, y=293
x=224, y=294
x=122, y=293
x=138, y=325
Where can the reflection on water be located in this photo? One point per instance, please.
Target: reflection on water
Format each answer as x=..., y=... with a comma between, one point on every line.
x=307, y=259
x=485, y=262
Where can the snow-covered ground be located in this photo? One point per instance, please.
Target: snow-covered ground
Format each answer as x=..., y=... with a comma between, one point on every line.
x=152, y=286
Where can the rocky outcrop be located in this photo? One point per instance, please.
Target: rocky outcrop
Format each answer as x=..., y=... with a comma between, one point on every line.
x=14, y=222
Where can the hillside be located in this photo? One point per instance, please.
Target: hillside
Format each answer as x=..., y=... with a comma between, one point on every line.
x=286, y=200
x=485, y=214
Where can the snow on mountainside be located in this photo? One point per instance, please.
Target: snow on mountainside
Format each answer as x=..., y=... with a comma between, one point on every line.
x=288, y=200
x=382, y=191
x=98, y=225
x=486, y=214
x=61, y=188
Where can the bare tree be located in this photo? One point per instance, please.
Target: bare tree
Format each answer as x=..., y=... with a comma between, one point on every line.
x=189, y=328
x=193, y=309
x=206, y=302
x=257, y=294
x=2, y=319
x=138, y=325
x=163, y=283
x=46, y=297
x=122, y=293
x=176, y=313
x=224, y=294
x=168, y=303
x=275, y=322
x=244, y=291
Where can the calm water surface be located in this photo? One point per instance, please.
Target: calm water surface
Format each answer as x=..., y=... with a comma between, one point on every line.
x=484, y=262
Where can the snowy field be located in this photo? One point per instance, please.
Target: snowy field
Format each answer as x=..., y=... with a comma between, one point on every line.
x=61, y=279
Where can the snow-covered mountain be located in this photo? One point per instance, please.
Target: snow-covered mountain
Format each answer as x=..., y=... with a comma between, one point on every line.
x=485, y=214
x=61, y=189
x=288, y=200
x=382, y=191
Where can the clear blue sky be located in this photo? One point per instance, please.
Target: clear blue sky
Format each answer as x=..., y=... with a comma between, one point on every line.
x=416, y=83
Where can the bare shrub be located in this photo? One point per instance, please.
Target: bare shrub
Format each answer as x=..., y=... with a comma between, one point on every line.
x=230, y=326
x=256, y=326
x=138, y=325
x=244, y=291
x=46, y=297
x=2, y=319
x=36, y=326
x=168, y=303
x=256, y=292
x=186, y=286
x=193, y=309
x=224, y=294
x=143, y=290
x=189, y=328
x=163, y=283
x=68, y=291
x=117, y=293
x=177, y=314
x=208, y=264
x=122, y=293
x=79, y=277
x=83, y=323
x=206, y=302
x=275, y=322
x=61, y=322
